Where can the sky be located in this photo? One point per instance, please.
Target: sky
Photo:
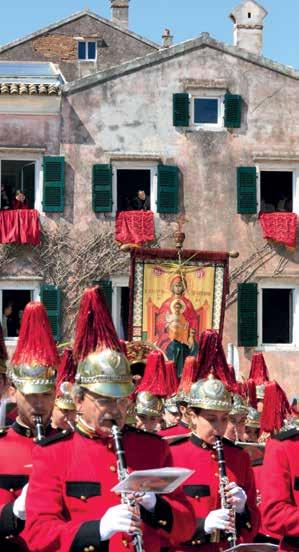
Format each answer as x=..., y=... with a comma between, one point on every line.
x=185, y=18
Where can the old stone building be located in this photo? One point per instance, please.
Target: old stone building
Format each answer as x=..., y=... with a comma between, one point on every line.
x=220, y=121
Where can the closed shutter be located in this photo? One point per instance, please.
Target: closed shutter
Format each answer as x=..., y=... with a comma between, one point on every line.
x=246, y=190
x=51, y=298
x=232, y=110
x=102, y=188
x=168, y=189
x=53, y=196
x=247, y=315
x=180, y=109
x=106, y=289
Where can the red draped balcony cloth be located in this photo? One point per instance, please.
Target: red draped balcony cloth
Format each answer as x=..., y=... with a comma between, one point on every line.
x=19, y=226
x=279, y=227
x=134, y=227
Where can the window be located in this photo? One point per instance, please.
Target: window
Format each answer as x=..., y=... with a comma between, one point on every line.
x=120, y=305
x=208, y=112
x=17, y=175
x=277, y=315
x=129, y=182
x=87, y=50
x=276, y=191
x=14, y=296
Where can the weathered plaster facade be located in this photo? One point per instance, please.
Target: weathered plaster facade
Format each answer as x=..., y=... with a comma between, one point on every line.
x=114, y=125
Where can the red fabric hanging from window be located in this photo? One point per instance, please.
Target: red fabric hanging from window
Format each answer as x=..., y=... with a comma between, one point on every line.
x=134, y=227
x=20, y=226
x=279, y=227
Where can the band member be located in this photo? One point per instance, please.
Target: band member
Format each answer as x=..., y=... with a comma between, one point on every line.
x=236, y=419
x=33, y=372
x=64, y=411
x=209, y=406
x=171, y=414
x=70, y=503
x=259, y=373
x=148, y=411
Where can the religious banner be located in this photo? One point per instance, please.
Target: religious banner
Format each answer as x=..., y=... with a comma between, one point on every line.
x=175, y=297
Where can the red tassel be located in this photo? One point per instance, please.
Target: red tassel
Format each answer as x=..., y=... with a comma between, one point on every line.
x=212, y=358
x=35, y=343
x=171, y=377
x=189, y=375
x=3, y=350
x=155, y=380
x=258, y=370
x=94, y=330
x=276, y=408
x=66, y=369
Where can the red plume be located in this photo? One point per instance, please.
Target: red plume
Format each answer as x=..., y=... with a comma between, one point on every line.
x=189, y=375
x=276, y=408
x=95, y=330
x=171, y=377
x=123, y=347
x=154, y=380
x=258, y=370
x=67, y=368
x=208, y=344
x=35, y=343
x=3, y=350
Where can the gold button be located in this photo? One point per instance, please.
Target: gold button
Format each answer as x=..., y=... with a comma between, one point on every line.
x=82, y=497
x=213, y=456
x=193, y=542
x=198, y=542
x=110, y=447
x=125, y=543
x=86, y=549
x=248, y=525
x=11, y=490
x=113, y=468
x=91, y=548
x=34, y=439
x=162, y=522
x=197, y=497
x=216, y=474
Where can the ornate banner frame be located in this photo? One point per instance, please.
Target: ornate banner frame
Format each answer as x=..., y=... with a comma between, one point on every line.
x=149, y=307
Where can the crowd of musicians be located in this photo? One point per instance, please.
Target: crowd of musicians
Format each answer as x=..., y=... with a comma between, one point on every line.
x=82, y=421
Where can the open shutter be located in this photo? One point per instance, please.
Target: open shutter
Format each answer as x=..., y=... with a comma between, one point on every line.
x=232, y=110
x=53, y=196
x=51, y=298
x=247, y=315
x=106, y=289
x=102, y=188
x=168, y=189
x=246, y=190
x=181, y=109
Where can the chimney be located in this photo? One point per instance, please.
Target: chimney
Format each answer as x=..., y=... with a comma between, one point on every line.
x=167, y=38
x=120, y=12
x=248, y=20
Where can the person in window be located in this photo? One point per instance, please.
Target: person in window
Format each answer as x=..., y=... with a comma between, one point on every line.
x=20, y=201
x=9, y=329
x=5, y=204
x=141, y=201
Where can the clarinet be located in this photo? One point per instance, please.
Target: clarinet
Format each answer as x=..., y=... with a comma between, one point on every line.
x=223, y=481
x=122, y=473
x=39, y=428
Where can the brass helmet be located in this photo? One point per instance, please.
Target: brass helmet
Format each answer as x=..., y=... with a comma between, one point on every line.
x=210, y=394
x=35, y=360
x=148, y=404
x=102, y=366
x=171, y=405
x=253, y=418
x=64, y=398
x=239, y=405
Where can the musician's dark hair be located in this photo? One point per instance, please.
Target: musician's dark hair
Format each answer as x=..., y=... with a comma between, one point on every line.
x=79, y=392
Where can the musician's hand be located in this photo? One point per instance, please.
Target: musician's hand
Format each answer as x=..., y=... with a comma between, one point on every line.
x=219, y=519
x=19, y=504
x=120, y=518
x=147, y=500
x=236, y=497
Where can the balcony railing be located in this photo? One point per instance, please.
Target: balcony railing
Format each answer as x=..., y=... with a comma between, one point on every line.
x=134, y=227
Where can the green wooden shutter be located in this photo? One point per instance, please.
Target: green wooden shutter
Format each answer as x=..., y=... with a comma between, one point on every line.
x=53, y=196
x=246, y=190
x=102, y=188
x=247, y=315
x=232, y=110
x=106, y=289
x=168, y=189
x=180, y=109
x=51, y=298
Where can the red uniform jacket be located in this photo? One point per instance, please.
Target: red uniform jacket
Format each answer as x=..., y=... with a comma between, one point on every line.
x=16, y=446
x=280, y=489
x=178, y=429
x=203, y=488
x=70, y=490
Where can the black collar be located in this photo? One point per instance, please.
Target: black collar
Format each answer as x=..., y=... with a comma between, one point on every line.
x=183, y=424
x=27, y=431
x=198, y=442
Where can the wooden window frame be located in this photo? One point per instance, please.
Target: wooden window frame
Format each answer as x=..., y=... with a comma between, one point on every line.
x=279, y=167
x=37, y=159
x=19, y=285
x=207, y=94
x=86, y=42
x=135, y=165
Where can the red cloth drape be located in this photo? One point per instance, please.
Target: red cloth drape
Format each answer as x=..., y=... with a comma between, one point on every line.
x=279, y=227
x=19, y=226
x=134, y=227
